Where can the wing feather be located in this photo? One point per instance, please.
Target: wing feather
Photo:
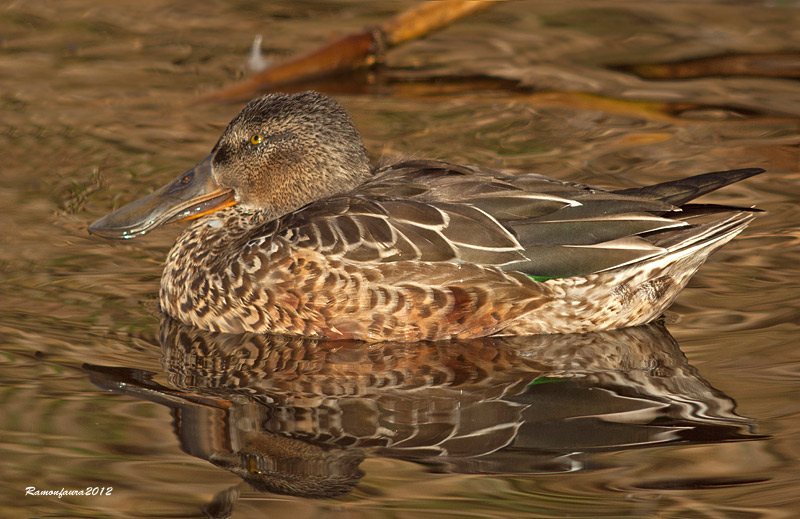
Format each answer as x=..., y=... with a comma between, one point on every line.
x=433, y=211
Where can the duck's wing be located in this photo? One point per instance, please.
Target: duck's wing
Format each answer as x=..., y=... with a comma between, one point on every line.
x=439, y=212
x=613, y=229
x=422, y=211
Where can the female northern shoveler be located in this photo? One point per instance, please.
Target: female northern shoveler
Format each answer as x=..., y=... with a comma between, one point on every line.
x=296, y=234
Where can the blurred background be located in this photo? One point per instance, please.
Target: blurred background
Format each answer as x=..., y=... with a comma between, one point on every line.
x=102, y=101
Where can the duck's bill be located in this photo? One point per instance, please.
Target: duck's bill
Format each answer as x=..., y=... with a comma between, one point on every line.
x=191, y=195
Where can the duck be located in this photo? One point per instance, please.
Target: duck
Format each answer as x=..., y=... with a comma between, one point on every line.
x=293, y=232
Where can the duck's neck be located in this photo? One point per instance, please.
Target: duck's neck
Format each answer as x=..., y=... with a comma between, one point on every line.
x=210, y=240
x=228, y=224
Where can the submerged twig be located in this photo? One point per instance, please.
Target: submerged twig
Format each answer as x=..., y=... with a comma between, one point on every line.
x=358, y=50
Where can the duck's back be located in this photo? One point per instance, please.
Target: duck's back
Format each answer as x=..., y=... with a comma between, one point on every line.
x=439, y=212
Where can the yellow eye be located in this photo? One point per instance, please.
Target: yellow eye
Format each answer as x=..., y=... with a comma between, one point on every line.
x=256, y=139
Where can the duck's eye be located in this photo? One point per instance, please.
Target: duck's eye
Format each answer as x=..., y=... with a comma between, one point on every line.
x=256, y=139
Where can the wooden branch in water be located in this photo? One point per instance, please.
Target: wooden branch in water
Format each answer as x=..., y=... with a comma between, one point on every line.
x=428, y=17
x=773, y=64
x=358, y=50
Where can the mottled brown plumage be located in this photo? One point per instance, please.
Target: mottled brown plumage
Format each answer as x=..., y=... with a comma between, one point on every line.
x=319, y=245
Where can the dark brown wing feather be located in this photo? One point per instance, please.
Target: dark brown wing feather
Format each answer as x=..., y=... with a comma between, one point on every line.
x=439, y=212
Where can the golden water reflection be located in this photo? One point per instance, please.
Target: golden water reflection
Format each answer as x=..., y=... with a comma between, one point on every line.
x=298, y=416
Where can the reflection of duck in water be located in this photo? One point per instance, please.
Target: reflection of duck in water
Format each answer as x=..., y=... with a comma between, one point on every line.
x=297, y=416
x=297, y=235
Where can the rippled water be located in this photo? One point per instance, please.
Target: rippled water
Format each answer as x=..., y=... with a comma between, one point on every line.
x=698, y=419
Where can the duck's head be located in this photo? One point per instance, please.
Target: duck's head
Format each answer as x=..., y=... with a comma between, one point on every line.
x=280, y=153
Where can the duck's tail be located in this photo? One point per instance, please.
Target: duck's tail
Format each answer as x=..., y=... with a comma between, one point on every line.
x=679, y=192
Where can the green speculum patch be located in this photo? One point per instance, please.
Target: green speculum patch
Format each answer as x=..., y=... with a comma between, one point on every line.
x=545, y=380
x=541, y=279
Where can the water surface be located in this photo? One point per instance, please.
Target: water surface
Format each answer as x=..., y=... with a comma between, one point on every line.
x=695, y=418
